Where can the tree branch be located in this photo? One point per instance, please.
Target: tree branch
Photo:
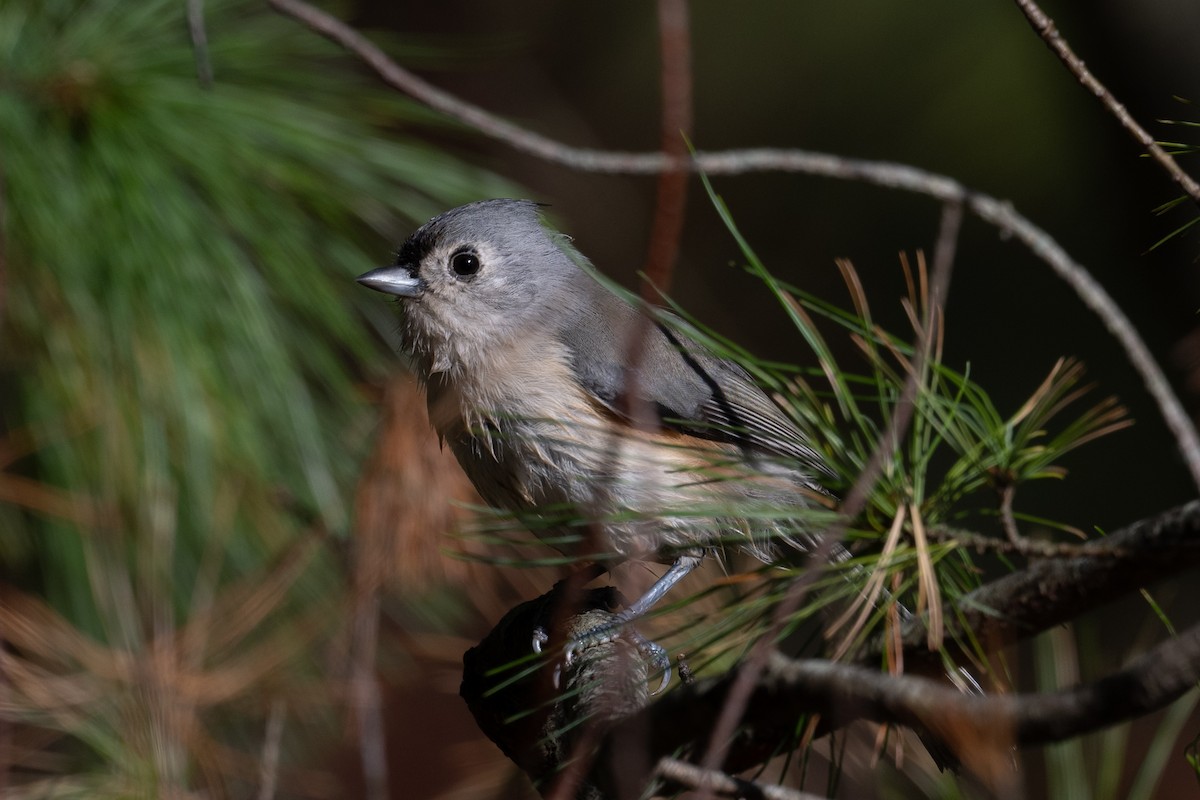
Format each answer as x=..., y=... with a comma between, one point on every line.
x=666, y=228
x=1054, y=590
x=517, y=706
x=978, y=729
x=1046, y=28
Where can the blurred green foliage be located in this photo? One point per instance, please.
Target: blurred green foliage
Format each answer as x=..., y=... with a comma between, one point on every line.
x=180, y=347
x=179, y=262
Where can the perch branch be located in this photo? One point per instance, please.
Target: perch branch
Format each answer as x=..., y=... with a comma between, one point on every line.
x=979, y=729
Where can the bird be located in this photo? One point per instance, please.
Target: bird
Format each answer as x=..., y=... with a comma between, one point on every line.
x=563, y=399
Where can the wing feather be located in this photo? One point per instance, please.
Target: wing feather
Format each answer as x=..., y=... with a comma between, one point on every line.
x=692, y=390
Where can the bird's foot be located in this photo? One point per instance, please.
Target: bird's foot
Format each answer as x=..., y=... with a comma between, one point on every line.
x=654, y=653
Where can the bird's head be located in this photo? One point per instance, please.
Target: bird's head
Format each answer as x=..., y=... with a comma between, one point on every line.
x=475, y=278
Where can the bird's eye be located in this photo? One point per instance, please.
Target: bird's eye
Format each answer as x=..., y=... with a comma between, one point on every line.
x=464, y=264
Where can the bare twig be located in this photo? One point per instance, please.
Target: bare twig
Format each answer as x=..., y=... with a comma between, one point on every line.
x=943, y=261
x=662, y=253
x=978, y=728
x=1024, y=547
x=570, y=782
x=667, y=226
x=1007, y=521
x=1046, y=28
x=1150, y=682
x=6, y=724
x=691, y=776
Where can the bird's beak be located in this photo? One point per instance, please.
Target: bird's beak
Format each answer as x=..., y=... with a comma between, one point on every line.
x=397, y=279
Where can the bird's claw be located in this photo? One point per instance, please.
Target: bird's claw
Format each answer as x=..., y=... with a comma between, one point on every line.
x=540, y=637
x=660, y=662
x=654, y=653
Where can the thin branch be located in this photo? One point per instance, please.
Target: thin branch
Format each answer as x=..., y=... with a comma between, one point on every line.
x=943, y=262
x=1053, y=591
x=1008, y=520
x=666, y=229
x=1149, y=682
x=880, y=173
x=1025, y=547
x=571, y=782
x=1046, y=28
x=368, y=705
x=662, y=252
x=365, y=700
x=691, y=776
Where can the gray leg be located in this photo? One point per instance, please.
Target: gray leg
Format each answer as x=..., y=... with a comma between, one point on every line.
x=682, y=566
x=653, y=651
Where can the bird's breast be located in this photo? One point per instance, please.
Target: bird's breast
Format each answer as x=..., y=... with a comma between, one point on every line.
x=531, y=439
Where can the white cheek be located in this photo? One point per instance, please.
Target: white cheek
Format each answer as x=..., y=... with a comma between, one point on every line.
x=456, y=336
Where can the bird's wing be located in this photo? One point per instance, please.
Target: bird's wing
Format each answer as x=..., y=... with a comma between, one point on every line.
x=689, y=388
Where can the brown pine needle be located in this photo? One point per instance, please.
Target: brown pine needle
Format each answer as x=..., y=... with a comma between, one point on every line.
x=866, y=601
x=928, y=594
x=858, y=295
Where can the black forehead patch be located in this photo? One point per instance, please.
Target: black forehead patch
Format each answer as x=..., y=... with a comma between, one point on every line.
x=490, y=220
x=416, y=247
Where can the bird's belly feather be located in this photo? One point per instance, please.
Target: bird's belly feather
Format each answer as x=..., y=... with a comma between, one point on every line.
x=652, y=493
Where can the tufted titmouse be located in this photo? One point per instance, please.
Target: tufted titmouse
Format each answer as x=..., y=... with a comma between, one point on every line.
x=555, y=393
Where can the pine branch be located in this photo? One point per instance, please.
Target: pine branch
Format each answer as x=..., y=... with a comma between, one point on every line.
x=1052, y=591
x=606, y=702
